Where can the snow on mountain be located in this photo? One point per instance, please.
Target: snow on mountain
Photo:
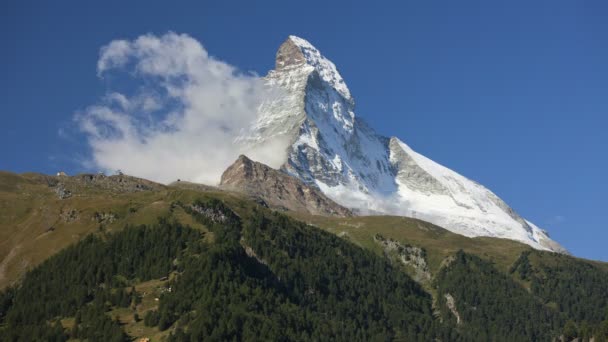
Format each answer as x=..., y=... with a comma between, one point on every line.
x=313, y=122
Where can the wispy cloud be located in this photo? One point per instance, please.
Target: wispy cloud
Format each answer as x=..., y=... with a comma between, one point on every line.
x=182, y=117
x=555, y=220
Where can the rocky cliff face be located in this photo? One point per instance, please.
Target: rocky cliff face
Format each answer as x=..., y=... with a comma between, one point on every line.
x=329, y=148
x=278, y=189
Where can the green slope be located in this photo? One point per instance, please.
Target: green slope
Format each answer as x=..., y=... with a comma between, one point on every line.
x=269, y=266
x=264, y=277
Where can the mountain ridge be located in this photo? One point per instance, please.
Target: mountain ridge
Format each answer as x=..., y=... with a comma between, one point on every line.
x=327, y=146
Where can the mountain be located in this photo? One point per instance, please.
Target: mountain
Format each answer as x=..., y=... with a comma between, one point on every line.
x=278, y=189
x=312, y=121
x=119, y=258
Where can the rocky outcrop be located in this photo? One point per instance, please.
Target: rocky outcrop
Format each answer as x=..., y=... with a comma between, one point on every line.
x=408, y=255
x=251, y=253
x=118, y=183
x=104, y=217
x=451, y=303
x=214, y=214
x=69, y=215
x=62, y=192
x=278, y=189
x=67, y=186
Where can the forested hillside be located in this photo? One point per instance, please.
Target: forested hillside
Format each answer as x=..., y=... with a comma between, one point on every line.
x=270, y=278
x=491, y=305
x=177, y=264
x=577, y=288
x=87, y=279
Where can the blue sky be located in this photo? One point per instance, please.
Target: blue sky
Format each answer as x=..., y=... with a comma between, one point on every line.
x=513, y=95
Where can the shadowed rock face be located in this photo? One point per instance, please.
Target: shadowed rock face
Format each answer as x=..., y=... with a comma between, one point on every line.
x=278, y=189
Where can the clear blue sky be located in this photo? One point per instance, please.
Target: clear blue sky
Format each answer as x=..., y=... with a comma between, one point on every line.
x=511, y=94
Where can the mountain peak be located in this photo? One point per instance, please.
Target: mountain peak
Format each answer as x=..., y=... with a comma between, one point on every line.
x=243, y=159
x=301, y=42
x=296, y=52
x=329, y=150
x=289, y=55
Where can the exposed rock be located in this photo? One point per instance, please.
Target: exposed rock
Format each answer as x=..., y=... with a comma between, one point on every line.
x=289, y=55
x=117, y=183
x=408, y=255
x=214, y=215
x=451, y=303
x=104, y=218
x=278, y=189
x=120, y=183
x=251, y=253
x=69, y=215
x=62, y=192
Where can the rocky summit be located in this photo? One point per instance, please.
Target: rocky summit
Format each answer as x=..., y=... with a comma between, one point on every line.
x=277, y=189
x=327, y=147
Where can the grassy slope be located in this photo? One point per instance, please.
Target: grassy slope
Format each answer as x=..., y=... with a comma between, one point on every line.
x=438, y=242
x=29, y=207
x=32, y=227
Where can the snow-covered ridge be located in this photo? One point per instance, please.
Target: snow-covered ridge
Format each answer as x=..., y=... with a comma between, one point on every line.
x=326, y=145
x=326, y=68
x=437, y=194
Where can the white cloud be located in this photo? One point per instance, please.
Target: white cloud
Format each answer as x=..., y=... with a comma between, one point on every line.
x=182, y=121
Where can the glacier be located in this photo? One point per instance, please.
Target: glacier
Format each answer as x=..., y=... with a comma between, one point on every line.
x=312, y=121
